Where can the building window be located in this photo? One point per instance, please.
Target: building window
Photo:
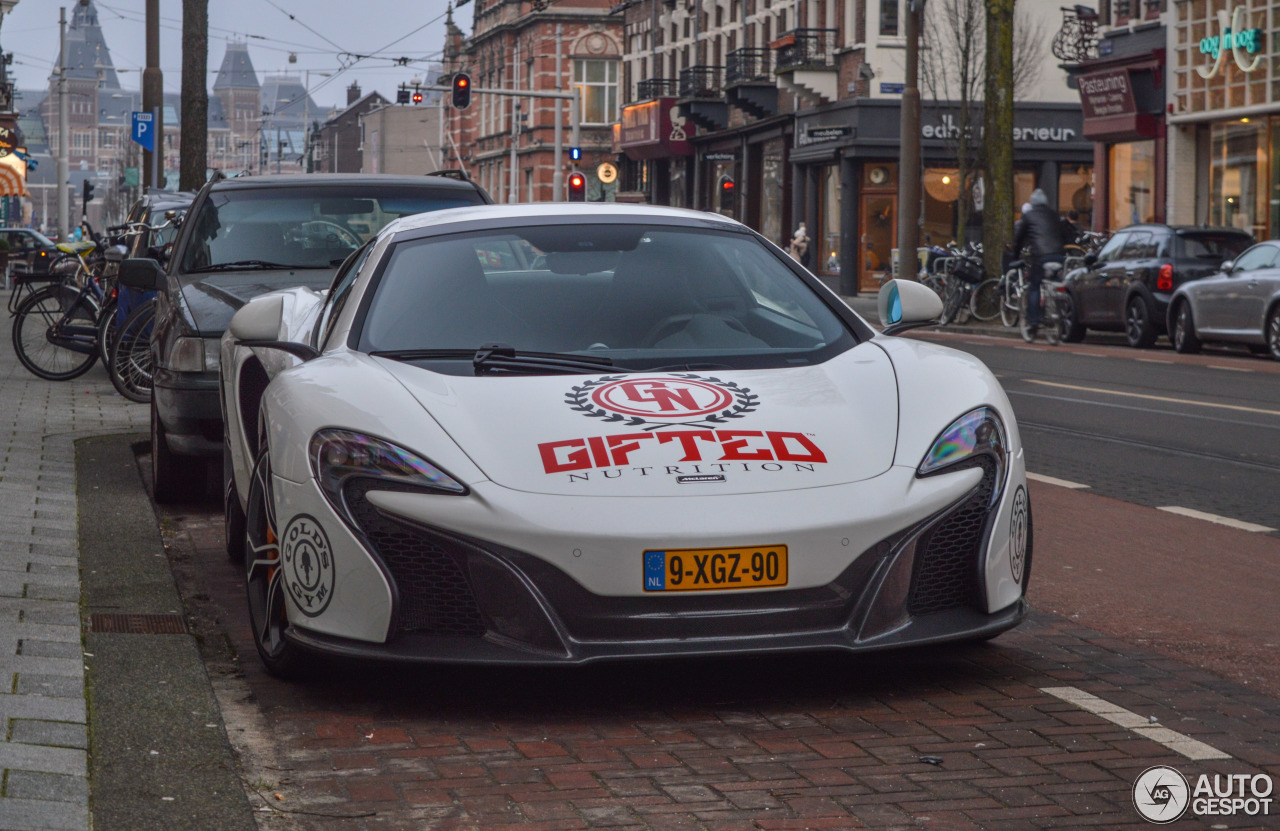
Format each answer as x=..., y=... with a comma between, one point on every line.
x=597, y=83
x=1238, y=175
x=1132, y=172
x=889, y=18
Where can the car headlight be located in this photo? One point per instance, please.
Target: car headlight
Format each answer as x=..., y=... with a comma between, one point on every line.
x=195, y=355
x=976, y=436
x=338, y=456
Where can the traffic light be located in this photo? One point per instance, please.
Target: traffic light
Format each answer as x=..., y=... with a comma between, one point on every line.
x=577, y=187
x=402, y=95
x=87, y=192
x=727, y=193
x=417, y=97
x=575, y=153
x=461, y=90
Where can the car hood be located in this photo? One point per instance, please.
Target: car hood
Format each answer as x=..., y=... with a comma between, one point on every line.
x=675, y=434
x=211, y=299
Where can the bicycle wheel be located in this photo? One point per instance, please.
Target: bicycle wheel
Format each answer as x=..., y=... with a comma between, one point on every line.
x=937, y=284
x=54, y=332
x=951, y=302
x=106, y=331
x=1023, y=328
x=1011, y=299
x=131, y=363
x=985, y=302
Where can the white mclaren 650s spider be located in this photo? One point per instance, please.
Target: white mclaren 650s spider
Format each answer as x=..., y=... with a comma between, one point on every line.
x=563, y=433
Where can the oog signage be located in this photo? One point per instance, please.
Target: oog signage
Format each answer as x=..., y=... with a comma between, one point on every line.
x=1232, y=36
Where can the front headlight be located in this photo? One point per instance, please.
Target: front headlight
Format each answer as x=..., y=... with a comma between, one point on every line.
x=338, y=456
x=973, y=437
x=191, y=354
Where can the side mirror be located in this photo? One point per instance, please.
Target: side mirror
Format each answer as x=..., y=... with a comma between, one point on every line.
x=1226, y=265
x=905, y=304
x=258, y=324
x=142, y=273
x=1090, y=259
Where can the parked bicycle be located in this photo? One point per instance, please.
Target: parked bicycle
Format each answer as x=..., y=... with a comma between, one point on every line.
x=1051, y=291
x=963, y=274
x=57, y=330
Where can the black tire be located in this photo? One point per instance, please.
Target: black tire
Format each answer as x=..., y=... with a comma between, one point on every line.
x=107, y=330
x=1184, y=330
x=131, y=363
x=952, y=302
x=1273, y=333
x=264, y=585
x=986, y=300
x=54, y=306
x=1139, y=328
x=233, y=517
x=174, y=478
x=1010, y=299
x=1070, y=329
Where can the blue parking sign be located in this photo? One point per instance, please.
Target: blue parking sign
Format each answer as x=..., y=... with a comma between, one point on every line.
x=144, y=131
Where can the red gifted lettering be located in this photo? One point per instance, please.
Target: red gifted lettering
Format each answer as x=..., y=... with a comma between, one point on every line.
x=573, y=460
x=810, y=453
x=733, y=447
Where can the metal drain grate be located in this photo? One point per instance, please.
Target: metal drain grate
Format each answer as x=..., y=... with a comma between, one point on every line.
x=124, y=624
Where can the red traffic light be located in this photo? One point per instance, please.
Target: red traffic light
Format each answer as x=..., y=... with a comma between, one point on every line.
x=462, y=81
x=727, y=184
x=417, y=97
x=461, y=90
x=577, y=187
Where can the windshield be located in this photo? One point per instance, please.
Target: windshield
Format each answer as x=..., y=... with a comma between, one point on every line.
x=643, y=297
x=303, y=227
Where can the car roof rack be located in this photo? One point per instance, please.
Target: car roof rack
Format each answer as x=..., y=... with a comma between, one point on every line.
x=452, y=173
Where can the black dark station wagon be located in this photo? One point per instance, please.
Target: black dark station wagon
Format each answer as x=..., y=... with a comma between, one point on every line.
x=1127, y=285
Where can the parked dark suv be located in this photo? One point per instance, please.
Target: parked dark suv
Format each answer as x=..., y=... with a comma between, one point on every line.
x=1128, y=284
x=241, y=238
x=33, y=250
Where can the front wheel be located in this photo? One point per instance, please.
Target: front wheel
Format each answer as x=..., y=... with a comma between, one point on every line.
x=1010, y=298
x=1138, y=326
x=1273, y=333
x=986, y=301
x=131, y=365
x=264, y=578
x=54, y=333
x=107, y=331
x=1070, y=329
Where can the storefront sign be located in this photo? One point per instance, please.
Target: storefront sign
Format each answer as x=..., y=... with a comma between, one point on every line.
x=654, y=129
x=1106, y=94
x=813, y=135
x=1232, y=35
x=1048, y=132
x=719, y=157
x=891, y=89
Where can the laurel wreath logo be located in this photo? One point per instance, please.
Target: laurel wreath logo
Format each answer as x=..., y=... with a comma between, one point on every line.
x=579, y=398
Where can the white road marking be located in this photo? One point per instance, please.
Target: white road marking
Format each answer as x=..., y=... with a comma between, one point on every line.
x=1049, y=480
x=1151, y=361
x=1229, y=368
x=1172, y=739
x=1236, y=407
x=1220, y=520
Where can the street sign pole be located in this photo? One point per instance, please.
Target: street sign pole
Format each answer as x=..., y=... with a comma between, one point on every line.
x=64, y=204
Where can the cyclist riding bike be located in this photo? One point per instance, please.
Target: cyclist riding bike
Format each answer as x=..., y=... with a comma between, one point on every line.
x=1040, y=229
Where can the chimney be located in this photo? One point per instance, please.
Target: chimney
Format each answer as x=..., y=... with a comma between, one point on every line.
x=353, y=93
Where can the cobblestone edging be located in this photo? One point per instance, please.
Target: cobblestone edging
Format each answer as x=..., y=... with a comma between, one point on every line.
x=44, y=747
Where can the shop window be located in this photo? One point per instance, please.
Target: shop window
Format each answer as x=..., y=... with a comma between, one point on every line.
x=1132, y=183
x=1237, y=172
x=772, y=183
x=828, y=256
x=597, y=82
x=1075, y=193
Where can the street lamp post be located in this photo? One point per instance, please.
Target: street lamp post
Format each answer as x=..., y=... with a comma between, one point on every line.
x=306, y=119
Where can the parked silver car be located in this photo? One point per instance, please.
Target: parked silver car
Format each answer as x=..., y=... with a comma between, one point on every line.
x=1240, y=304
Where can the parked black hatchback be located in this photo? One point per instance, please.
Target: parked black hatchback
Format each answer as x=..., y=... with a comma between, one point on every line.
x=1128, y=284
x=241, y=238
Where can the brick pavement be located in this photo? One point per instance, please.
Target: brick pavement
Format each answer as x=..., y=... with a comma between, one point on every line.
x=43, y=750
x=799, y=742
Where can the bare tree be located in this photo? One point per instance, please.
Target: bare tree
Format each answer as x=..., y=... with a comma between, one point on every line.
x=194, y=146
x=953, y=70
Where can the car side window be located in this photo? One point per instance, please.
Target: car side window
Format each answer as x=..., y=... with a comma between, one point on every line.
x=1259, y=256
x=341, y=290
x=1111, y=251
x=1137, y=246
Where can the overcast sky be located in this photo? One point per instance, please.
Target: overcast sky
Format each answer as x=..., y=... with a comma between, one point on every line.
x=319, y=35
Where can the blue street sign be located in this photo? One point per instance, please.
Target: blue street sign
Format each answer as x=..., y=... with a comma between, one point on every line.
x=144, y=131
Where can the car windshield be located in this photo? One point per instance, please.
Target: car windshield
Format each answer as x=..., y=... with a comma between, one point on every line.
x=1212, y=247
x=303, y=227
x=637, y=296
x=41, y=240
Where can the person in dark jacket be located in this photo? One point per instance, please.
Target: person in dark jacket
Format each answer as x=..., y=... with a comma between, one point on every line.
x=1040, y=229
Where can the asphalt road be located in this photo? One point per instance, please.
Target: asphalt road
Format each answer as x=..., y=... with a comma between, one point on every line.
x=1150, y=427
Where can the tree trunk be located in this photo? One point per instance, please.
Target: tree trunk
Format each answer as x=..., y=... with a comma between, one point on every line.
x=997, y=134
x=194, y=146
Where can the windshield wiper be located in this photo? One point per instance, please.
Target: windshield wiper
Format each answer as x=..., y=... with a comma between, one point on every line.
x=504, y=357
x=246, y=265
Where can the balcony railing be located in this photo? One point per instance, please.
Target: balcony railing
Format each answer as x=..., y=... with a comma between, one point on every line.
x=701, y=82
x=657, y=88
x=806, y=49
x=743, y=66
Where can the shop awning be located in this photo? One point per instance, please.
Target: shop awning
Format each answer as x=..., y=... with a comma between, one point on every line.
x=13, y=176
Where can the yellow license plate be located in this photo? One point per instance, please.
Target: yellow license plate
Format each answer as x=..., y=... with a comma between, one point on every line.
x=711, y=569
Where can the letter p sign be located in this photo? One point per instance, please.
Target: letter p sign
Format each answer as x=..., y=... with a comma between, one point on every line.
x=144, y=131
